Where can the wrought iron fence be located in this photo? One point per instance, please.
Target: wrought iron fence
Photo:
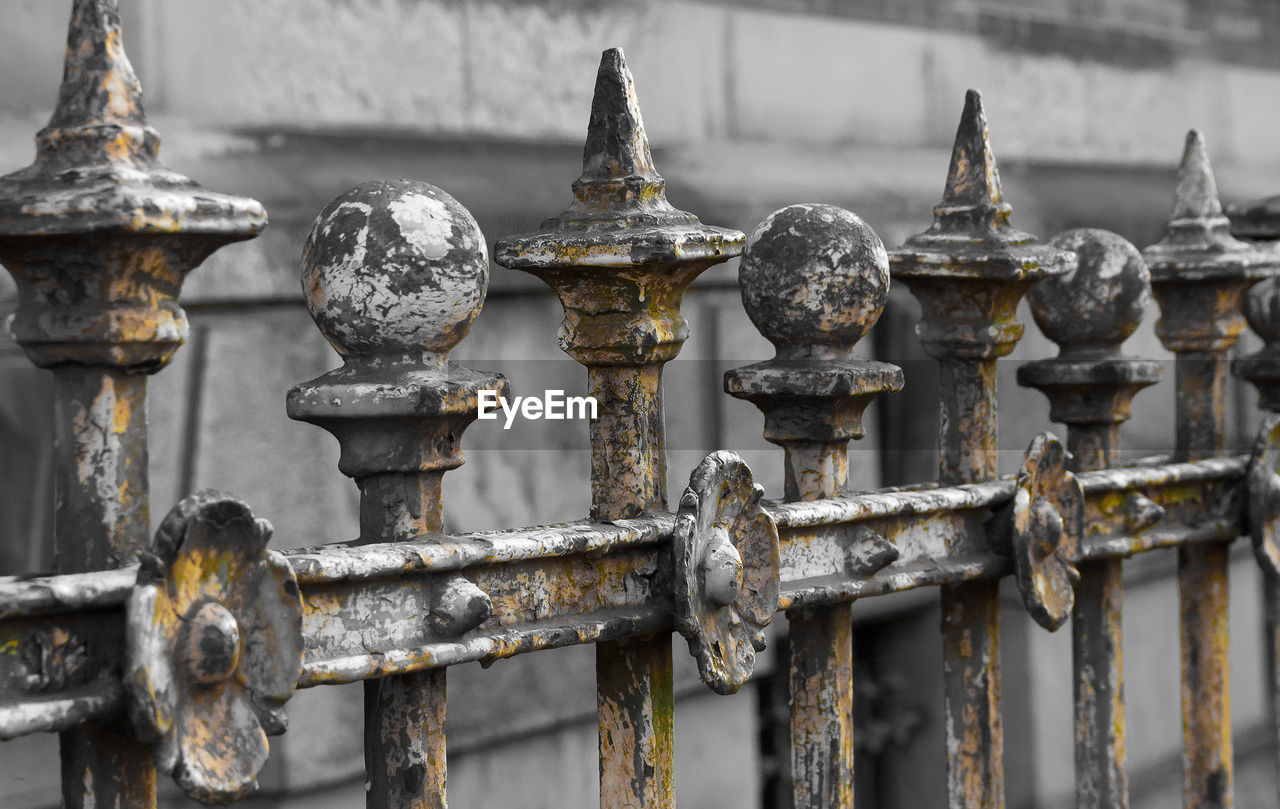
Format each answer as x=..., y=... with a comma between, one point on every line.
x=178, y=653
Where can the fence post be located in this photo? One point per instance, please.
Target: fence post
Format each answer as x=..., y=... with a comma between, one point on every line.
x=1089, y=313
x=99, y=236
x=394, y=273
x=814, y=280
x=1199, y=274
x=1262, y=370
x=969, y=270
x=620, y=259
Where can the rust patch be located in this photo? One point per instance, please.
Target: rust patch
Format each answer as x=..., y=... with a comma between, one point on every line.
x=1047, y=520
x=214, y=646
x=726, y=570
x=969, y=270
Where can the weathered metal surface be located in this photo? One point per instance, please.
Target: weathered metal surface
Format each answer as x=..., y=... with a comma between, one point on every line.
x=1262, y=368
x=1089, y=312
x=98, y=236
x=969, y=270
x=97, y=233
x=821, y=694
x=213, y=635
x=1199, y=271
x=100, y=460
x=1046, y=521
x=725, y=554
x=814, y=279
x=620, y=259
x=1264, y=497
x=1199, y=274
x=553, y=586
x=1261, y=220
x=1264, y=516
x=357, y=630
x=394, y=274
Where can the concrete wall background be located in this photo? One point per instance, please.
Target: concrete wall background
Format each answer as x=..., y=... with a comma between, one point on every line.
x=750, y=106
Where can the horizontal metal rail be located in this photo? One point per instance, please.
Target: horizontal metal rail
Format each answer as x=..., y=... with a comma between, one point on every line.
x=367, y=609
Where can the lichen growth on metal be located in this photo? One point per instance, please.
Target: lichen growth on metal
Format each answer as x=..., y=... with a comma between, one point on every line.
x=1047, y=520
x=214, y=646
x=725, y=550
x=95, y=195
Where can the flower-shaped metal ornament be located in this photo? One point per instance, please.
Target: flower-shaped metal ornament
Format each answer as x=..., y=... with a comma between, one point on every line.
x=214, y=646
x=1048, y=516
x=726, y=565
x=1264, y=497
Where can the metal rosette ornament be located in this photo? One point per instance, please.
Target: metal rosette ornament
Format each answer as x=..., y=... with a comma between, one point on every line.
x=1048, y=516
x=726, y=564
x=213, y=639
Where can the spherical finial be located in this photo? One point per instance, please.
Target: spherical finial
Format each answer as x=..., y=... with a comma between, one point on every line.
x=395, y=269
x=1095, y=307
x=1262, y=309
x=814, y=279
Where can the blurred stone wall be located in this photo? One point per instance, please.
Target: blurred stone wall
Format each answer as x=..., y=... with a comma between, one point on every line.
x=750, y=106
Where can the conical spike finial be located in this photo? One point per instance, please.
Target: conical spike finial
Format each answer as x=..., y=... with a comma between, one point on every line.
x=1197, y=194
x=1198, y=247
x=973, y=178
x=617, y=146
x=99, y=117
x=97, y=167
x=620, y=216
x=973, y=206
x=98, y=83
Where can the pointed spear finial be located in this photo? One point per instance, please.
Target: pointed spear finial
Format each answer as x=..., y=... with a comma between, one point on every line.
x=1197, y=230
x=98, y=83
x=616, y=145
x=1197, y=194
x=973, y=178
x=618, y=175
x=99, y=112
x=99, y=213
x=972, y=209
x=620, y=216
x=1198, y=256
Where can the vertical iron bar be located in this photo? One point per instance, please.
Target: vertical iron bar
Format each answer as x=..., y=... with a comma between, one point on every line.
x=1089, y=313
x=969, y=270
x=1258, y=221
x=1271, y=662
x=620, y=259
x=1093, y=446
x=1200, y=274
x=971, y=611
x=101, y=522
x=814, y=279
x=1097, y=656
x=398, y=408
x=628, y=450
x=404, y=715
x=99, y=237
x=634, y=696
x=1203, y=597
x=967, y=421
x=100, y=445
x=821, y=643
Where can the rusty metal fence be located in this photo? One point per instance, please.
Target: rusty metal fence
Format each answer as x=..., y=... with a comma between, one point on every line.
x=178, y=652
